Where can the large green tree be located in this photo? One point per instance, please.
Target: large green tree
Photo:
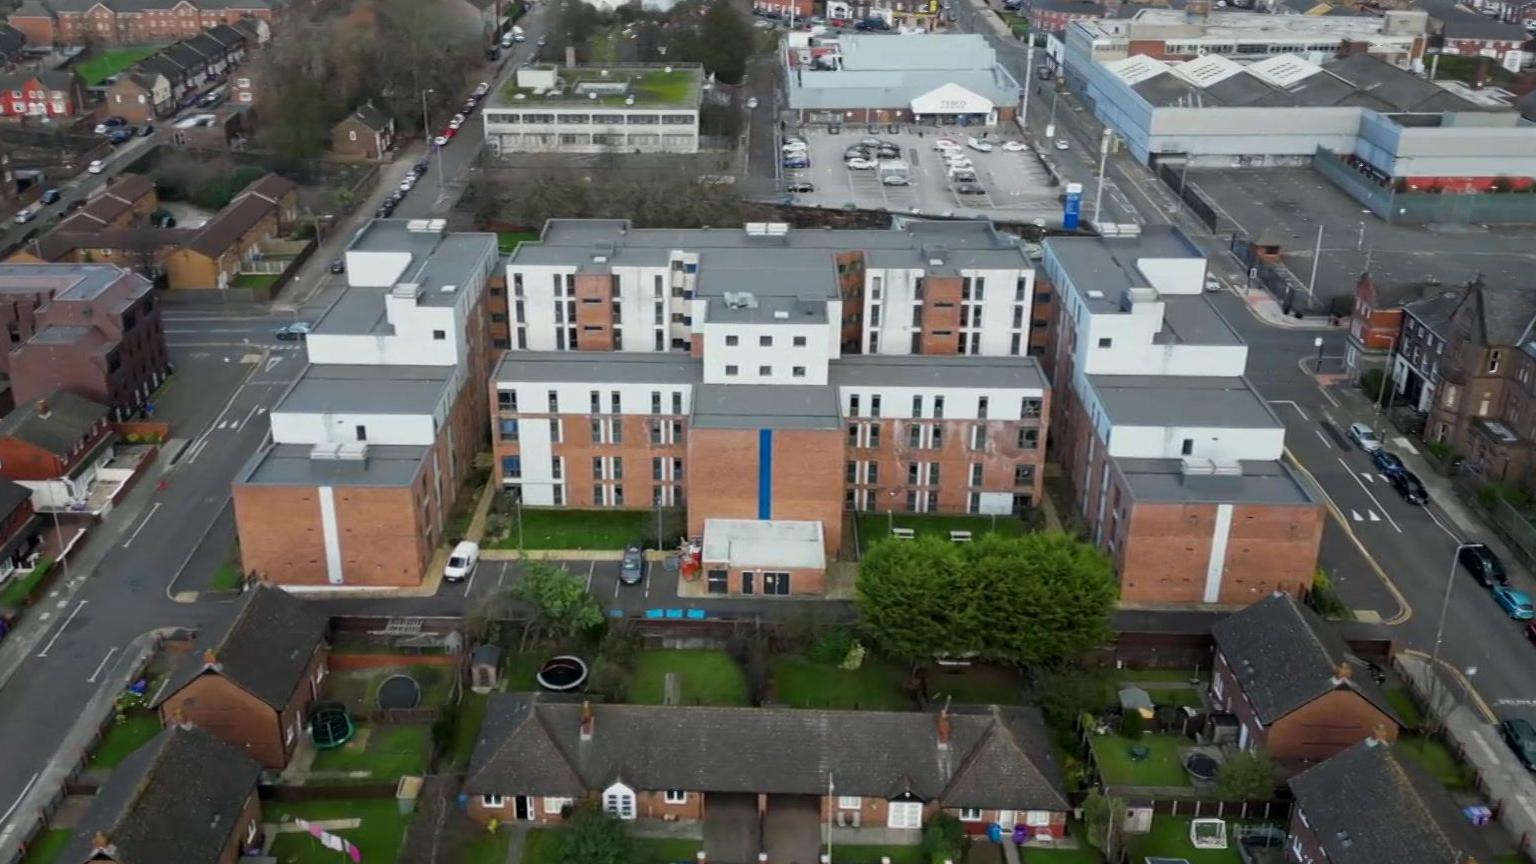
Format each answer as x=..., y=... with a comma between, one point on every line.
x=594, y=837
x=561, y=603
x=1036, y=600
x=723, y=41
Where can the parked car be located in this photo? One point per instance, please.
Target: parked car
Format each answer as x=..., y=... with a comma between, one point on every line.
x=800, y=187
x=962, y=162
x=26, y=214
x=969, y=188
x=796, y=162
x=751, y=103
x=51, y=196
x=1516, y=604
x=1061, y=144
x=888, y=151
x=462, y=561
x=1387, y=462
x=482, y=88
x=945, y=144
x=440, y=141
x=449, y=132
x=1015, y=146
x=862, y=164
x=96, y=167
x=632, y=567
x=146, y=130
x=295, y=332
x=385, y=211
x=120, y=137
x=109, y=124
x=979, y=145
x=1484, y=566
x=1212, y=283
x=896, y=180
x=1409, y=486
x=1520, y=735
x=339, y=265
x=1365, y=437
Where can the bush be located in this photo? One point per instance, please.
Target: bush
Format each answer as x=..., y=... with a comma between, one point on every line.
x=1324, y=600
x=942, y=838
x=1247, y=775
x=1372, y=381
x=621, y=644
x=1492, y=493
x=610, y=680
x=833, y=648
x=1066, y=694
x=1132, y=724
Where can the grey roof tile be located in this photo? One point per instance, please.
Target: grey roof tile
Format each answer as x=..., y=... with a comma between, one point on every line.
x=1364, y=810
x=69, y=419
x=265, y=649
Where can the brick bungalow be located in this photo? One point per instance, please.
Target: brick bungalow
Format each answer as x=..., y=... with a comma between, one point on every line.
x=1290, y=683
x=212, y=258
x=1361, y=807
x=184, y=796
x=870, y=769
x=366, y=133
x=56, y=447
x=252, y=685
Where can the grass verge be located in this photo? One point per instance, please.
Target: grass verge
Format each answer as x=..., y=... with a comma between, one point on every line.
x=108, y=63
x=508, y=241
x=580, y=529
x=48, y=846
x=124, y=737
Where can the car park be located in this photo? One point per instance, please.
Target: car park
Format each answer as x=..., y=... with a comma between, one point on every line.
x=979, y=145
x=1364, y=437
x=632, y=565
x=1409, y=486
x=797, y=161
x=1387, y=462
x=1015, y=146
x=1483, y=564
x=96, y=167
x=295, y=332
x=50, y=196
x=1516, y=604
x=1520, y=735
x=969, y=187
x=945, y=144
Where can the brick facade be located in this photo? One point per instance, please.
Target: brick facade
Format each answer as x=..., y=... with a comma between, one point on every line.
x=103, y=25
x=221, y=708
x=1313, y=732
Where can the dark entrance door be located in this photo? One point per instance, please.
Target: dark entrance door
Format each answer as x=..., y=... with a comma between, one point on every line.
x=747, y=577
x=717, y=581
x=523, y=806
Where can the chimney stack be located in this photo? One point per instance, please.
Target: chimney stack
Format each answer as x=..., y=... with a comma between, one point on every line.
x=944, y=727
x=99, y=841
x=210, y=657
x=42, y=409
x=588, y=722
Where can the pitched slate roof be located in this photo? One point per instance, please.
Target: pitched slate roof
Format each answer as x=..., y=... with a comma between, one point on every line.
x=108, y=205
x=70, y=418
x=243, y=213
x=265, y=650
x=1507, y=310
x=1284, y=658
x=207, y=46
x=226, y=35
x=997, y=757
x=177, y=798
x=371, y=117
x=1364, y=810
x=11, y=40
x=52, y=79
x=12, y=495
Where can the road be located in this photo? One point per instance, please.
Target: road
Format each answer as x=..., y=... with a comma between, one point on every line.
x=81, y=186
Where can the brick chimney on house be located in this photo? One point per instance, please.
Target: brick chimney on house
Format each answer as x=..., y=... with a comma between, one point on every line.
x=42, y=409
x=944, y=728
x=1342, y=672
x=588, y=722
x=210, y=659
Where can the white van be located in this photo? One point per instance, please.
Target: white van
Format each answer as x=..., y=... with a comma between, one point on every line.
x=461, y=562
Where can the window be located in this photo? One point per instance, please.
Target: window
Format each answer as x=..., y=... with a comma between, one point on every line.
x=1037, y=818
x=492, y=801
x=613, y=400
x=1029, y=408
x=731, y=341
x=874, y=405
x=555, y=469
x=1188, y=448
x=936, y=438
x=677, y=402
x=1106, y=342
x=655, y=402
x=874, y=434
x=914, y=435
x=1029, y=439
x=554, y=402
x=938, y=407
x=970, y=814
x=871, y=472
x=509, y=430
x=553, y=806
x=799, y=341
x=853, y=405
x=976, y=473
x=850, y=802
x=730, y=371
x=981, y=408
x=597, y=467
x=512, y=466
x=917, y=406
x=765, y=341
x=1023, y=475
x=554, y=430
x=439, y=335
x=853, y=435
x=362, y=433
x=797, y=371
x=904, y=814
x=852, y=475
x=933, y=473
x=911, y=474
x=765, y=370
x=675, y=796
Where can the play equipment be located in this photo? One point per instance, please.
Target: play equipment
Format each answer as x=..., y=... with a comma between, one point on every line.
x=1208, y=833
x=330, y=725
x=1201, y=767
x=562, y=674
x=399, y=691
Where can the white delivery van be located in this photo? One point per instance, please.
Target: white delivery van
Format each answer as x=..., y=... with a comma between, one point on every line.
x=461, y=562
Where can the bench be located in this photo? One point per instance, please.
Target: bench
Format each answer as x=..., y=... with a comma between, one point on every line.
x=959, y=536
x=903, y=533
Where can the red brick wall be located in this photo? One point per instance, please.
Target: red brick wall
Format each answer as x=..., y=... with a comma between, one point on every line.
x=941, y=315
x=808, y=480
x=716, y=485
x=232, y=715
x=594, y=311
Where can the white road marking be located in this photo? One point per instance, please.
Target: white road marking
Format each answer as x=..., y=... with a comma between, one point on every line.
x=273, y=361
x=17, y=803
x=616, y=590
x=1372, y=514
x=103, y=665
x=1292, y=403
x=470, y=585
x=62, y=628
x=1368, y=476
x=148, y=516
x=591, y=565
x=1441, y=525
x=1390, y=520
x=1355, y=515
x=1323, y=438
x=1328, y=396
x=503, y=574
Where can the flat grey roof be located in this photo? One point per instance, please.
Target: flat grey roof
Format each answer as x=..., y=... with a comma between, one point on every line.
x=1163, y=480
x=567, y=241
x=615, y=367
x=372, y=389
x=766, y=406
x=67, y=281
x=437, y=260
x=291, y=465
x=766, y=310
x=1176, y=400
x=934, y=371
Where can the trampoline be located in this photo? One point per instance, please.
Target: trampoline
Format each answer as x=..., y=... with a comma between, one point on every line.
x=399, y=691
x=1201, y=767
x=330, y=725
x=562, y=674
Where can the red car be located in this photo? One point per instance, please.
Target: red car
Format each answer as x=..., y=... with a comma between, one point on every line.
x=449, y=133
x=837, y=22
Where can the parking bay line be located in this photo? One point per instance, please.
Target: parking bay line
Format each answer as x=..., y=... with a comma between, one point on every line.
x=99, y=668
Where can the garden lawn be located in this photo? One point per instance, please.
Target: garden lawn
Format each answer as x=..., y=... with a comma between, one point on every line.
x=487, y=849
x=874, y=527
x=1169, y=838
x=846, y=854
x=704, y=678
x=48, y=846
x=1434, y=757
x=874, y=686
x=19, y=588
x=123, y=738
x=1161, y=767
x=1405, y=705
x=508, y=241
x=359, y=689
x=378, y=837
x=108, y=63
x=226, y=578
x=388, y=753
x=978, y=684
x=466, y=727
x=255, y=281
x=580, y=529
x=1084, y=854
x=518, y=671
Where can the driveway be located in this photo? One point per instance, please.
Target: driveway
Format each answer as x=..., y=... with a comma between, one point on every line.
x=732, y=834
x=792, y=829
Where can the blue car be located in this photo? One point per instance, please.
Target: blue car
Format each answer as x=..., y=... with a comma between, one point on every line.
x=1516, y=604
x=1387, y=463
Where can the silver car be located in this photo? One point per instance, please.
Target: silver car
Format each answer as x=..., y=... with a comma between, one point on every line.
x=632, y=567
x=1365, y=437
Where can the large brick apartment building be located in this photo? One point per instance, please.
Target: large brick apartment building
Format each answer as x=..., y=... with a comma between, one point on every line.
x=1175, y=462
x=370, y=448
x=130, y=22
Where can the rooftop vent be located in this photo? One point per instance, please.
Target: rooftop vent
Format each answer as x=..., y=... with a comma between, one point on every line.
x=780, y=315
x=1095, y=294
x=448, y=289
x=344, y=451
x=406, y=291
x=767, y=229
x=739, y=300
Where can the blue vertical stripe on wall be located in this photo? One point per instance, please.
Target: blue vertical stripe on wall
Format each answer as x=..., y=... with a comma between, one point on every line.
x=765, y=473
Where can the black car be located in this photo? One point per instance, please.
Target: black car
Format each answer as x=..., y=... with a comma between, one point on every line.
x=1409, y=486
x=339, y=266
x=418, y=169
x=1484, y=566
x=800, y=187
x=74, y=205
x=1520, y=735
x=121, y=136
x=146, y=130
x=1387, y=463
x=384, y=211
x=50, y=196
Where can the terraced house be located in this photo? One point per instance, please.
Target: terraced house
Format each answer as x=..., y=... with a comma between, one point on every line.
x=130, y=22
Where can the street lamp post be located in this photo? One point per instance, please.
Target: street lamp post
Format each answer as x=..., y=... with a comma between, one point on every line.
x=432, y=148
x=1317, y=342
x=1445, y=606
x=1098, y=194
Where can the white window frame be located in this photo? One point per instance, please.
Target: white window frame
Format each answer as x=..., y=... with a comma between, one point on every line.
x=674, y=796
x=553, y=806
x=250, y=831
x=493, y=801
x=619, y=800
x=899, y=815
x=849, y=802
x=1037, y=818
x=969, y=814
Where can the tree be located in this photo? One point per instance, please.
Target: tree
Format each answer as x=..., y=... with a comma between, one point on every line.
x=943, y=837
x=1037, y=600
x=1103, y=822
x=560, y=601
x=1065, y=694
x=1245, y=775
x=724, y=42
x=593, y=837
